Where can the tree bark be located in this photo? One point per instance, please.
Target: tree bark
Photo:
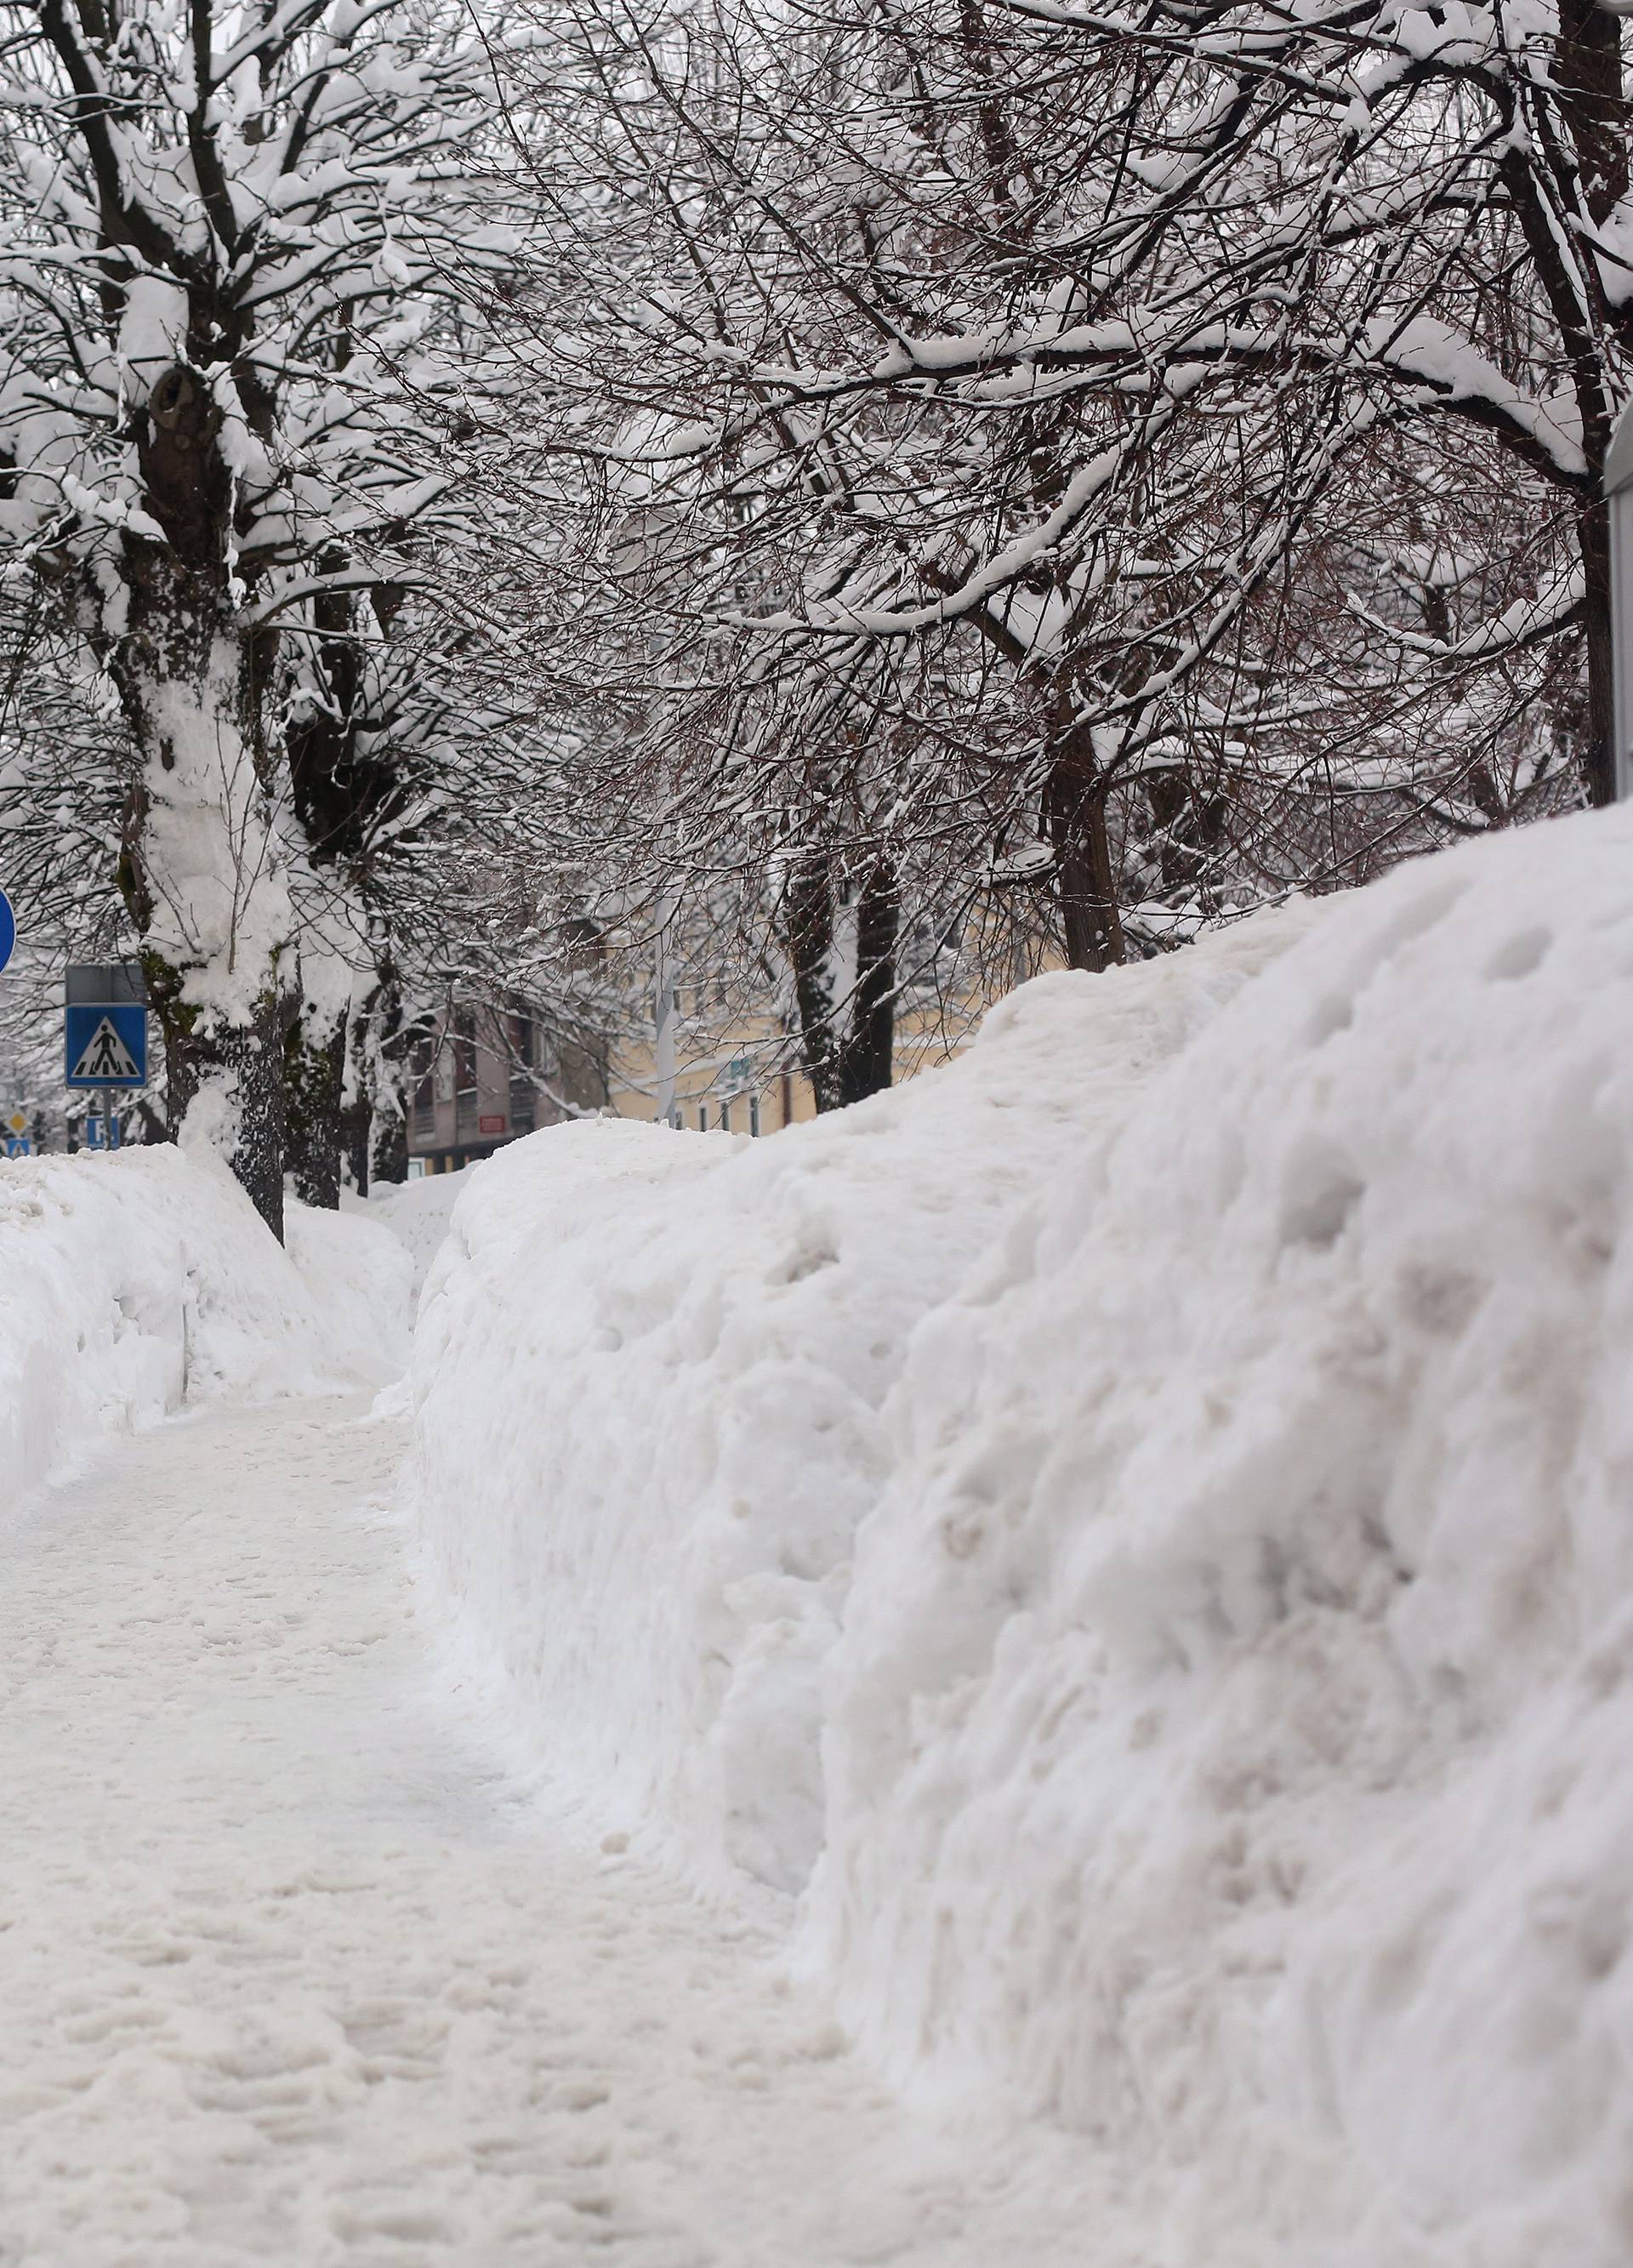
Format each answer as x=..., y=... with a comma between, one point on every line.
x=848, y=1047
x=388, y=1146
x=356, y=1125
x=1590, y=81
x=240, y=1066
x=314, y=1071
x=1598, y=760
x=201, y=864
x=867, y=1057
x=1074, y=816
x=809, y=933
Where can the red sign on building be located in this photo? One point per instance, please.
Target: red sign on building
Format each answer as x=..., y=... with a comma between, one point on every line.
x=491, y=1125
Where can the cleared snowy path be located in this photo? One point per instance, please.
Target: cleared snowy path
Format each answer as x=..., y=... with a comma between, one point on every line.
x=287, y=1972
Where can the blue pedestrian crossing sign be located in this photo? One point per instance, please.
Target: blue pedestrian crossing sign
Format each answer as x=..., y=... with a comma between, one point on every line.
x=105, y=1023
x=106, y=1026
x=8, y=929
x=107, y=1043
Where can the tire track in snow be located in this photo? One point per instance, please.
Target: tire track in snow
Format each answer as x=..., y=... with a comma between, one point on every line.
x=290, y=1973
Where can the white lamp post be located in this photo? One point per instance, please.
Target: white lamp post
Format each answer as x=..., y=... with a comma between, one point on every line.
x=663, y=1015
x=1619, y=495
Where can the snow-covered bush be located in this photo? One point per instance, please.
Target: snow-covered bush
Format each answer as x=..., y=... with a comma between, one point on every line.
x=131, y=1282
x=1138, y=1527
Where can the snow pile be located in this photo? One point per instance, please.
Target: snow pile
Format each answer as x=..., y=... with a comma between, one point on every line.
x=1140, y=1526
x=129, y=1283
x=652, y=1370
x=1228, y=1739
x=416, y=1213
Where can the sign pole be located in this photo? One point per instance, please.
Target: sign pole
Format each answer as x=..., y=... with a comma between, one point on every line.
x=663, y=1015
x=1619, y=503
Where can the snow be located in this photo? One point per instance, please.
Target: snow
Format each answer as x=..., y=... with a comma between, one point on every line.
x=293, y=1971
x=681, y=1346
x=1108, y=1567
x=224, y=912
x=153, y=329
x=1131, y=1533
x=130, y=1282
x=416, y=1213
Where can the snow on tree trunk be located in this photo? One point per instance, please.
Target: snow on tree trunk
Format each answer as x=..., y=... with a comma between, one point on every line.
x=204, y=868
x=230, y=229
x=1074, y=809
x=868, y=1055
x=844, y=960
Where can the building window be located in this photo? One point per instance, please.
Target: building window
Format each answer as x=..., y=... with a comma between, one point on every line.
x=703, y=1118
x=465, y=1051
x=424, y=1060
x=725, y=1117
x=524, y=1039
x=754, y=1114
x=465, y=1074
x=586, y=948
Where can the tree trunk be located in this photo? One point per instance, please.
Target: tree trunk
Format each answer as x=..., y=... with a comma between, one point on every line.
x=355, y=1123
x=202, y=882
x=868, y=1055
x=381, y=1152
x=1074, y=815
x=388, y=1144
x=808, y=934
x=1598, y=769
x=847, y=1046
x=202, y=862
x=315, y=1071
x=230, y=1076
x=1590, y=79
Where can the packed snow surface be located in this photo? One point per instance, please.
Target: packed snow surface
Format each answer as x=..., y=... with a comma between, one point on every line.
x=130, y=1282
x=1135, y=1532
x=293, y=1972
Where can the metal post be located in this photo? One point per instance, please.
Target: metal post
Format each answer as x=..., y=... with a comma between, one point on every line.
x=663, y=1017
x=1619, y=498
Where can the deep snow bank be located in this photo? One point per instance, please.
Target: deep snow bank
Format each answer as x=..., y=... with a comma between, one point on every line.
x=1179, y=1461
x=650, y=1372
x=130, y=1282
x=416, y=1213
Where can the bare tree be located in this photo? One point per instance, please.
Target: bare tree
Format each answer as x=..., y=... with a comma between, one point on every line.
x=1168, y=446
x=219, y=250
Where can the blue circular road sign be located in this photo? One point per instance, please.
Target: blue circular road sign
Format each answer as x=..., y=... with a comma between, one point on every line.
x=8, y=929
